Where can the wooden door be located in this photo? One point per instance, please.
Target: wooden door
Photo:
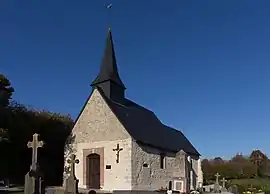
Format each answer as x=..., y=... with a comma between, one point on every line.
x=93, y=171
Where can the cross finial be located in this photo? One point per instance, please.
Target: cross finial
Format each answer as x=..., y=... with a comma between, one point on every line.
x=108, y=7
x=72, y=161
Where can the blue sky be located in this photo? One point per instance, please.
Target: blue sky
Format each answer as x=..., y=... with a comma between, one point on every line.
x=202, y=66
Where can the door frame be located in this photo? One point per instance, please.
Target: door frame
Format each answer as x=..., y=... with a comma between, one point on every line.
x=91, y=171
x=86, y=152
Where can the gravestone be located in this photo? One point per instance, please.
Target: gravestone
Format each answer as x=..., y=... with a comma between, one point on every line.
x=72, y=181
x=233, y=189
x=33, y=180
x=223, y=189
x=217, y=186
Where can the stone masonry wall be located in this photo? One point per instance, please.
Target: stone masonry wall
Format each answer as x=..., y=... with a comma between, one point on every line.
x=200, y=173
x=98, y=123
x=98, y=127
x=116, y=178
x=153, y=177
x=197, y=171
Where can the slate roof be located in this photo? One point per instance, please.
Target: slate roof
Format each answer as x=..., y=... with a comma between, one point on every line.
x=142, y=124
x=108, y=70
x=145, y=127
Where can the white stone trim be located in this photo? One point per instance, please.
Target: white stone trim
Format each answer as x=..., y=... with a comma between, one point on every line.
x=174, y=185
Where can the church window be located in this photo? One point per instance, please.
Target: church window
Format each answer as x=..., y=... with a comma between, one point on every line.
x=162, y=161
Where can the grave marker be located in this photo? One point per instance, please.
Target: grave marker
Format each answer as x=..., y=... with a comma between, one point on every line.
x=33, y=180
x=223, y=184
x=72, y=181
x=217, y=186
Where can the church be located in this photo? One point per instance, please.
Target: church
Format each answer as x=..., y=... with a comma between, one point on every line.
x=124, y=146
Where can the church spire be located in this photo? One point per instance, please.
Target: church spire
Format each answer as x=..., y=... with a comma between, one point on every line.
x=108, y=78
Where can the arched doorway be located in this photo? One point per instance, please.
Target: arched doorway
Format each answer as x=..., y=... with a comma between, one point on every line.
x=93, y=171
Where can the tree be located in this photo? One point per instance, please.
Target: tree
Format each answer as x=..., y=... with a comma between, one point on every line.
x=242, y=166
x=264, y=169
x=6, y=91
x=207, y=171
x=17, y=125
x=259, y=159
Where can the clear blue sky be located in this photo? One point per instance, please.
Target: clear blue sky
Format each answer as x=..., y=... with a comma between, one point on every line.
x=199, y=65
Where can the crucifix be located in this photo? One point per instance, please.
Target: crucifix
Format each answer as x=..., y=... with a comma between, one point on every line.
x=223, y=182
x=35, y=144
x=72, y=161
x=117, y=150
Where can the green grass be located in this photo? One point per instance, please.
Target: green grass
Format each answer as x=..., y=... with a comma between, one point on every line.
x=258, y=183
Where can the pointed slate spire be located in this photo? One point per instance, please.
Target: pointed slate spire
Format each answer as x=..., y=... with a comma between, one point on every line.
x=108, y=78
x=108, y=69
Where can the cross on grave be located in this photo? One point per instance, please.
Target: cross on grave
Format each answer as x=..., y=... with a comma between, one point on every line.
x=216, y=186
x=223, y=189
x=223, y=182
x=72, y=181
x=33, y=179
x=35, y=144
x=117, y=150
x=217, y=176
x=72, y=161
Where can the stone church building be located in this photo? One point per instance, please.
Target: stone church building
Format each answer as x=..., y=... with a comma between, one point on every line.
x=124, y=146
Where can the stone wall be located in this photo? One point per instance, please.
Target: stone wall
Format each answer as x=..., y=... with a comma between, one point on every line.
x=98, y=123
x=146, y=171
x=197, y=171
x=147, y=174
x=98, y=130
x=118, y=176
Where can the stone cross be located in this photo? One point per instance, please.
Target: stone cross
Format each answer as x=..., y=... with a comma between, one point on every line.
x=223, y=189
x=217, y=176
x=117, y=150
x=33, y=182
x=35, y=144
x=216, y=186
x=223, y=182
x=72, y=161
x=72, y=181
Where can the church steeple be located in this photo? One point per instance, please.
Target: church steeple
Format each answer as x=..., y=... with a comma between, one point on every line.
x=108, y=78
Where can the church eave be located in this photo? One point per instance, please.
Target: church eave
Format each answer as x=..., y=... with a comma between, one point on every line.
x=194, y=153
x=166, y=149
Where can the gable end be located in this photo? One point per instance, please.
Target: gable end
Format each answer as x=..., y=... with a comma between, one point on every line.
x=97, y=122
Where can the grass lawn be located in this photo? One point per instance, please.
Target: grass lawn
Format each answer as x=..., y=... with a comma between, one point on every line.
x=258, y=183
